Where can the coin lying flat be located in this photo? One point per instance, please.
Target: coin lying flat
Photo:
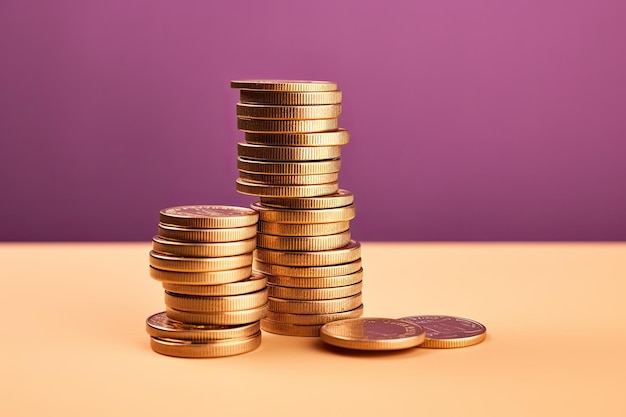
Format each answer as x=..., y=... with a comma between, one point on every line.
x=341, y=198
x=268, y=190
x=372, y=334
x=304, y=243
x=256, y=166
x=284, y=85
x=184, y=264
x=312, y=319
x=203, y=250
x=183, y=234
x=288, y=329
x=221, y=318
x=300, y=216
x=287, y=153
x=312, y=282
x=205, y=349
x=201, y=278
x=333, y=138
x=290, y=98
x=287, y=126
x=291, y=293
x=301, y=230
x=446, y=332
x=255, y=282
x=160, y=326
x=208, y=217
x=307, y=272
x=338, y=305
x=286, y=179
x=215, y=304
x=346, y=254
x=272, y=112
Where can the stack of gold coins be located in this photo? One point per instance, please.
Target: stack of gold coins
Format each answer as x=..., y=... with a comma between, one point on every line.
x=214, y=301
x=291, y=160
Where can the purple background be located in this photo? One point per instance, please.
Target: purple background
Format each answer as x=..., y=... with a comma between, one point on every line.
x=469, y=120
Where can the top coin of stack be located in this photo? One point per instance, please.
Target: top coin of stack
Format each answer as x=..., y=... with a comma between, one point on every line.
x=292, y=142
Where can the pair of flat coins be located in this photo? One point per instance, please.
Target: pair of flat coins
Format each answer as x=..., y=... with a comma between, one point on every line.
x=393, y=334
x=292, y=142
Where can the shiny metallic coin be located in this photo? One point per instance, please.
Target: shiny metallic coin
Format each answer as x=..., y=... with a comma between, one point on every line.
x=283, y=112
x=347, y=254
x=208, y=217
x=184, y=264
x=206, y=235
x=203, y=250
x=254, y=166
x=304, y=243
x=287, y=126
x=312, y=229
x=319, y=282
x=201, y=278
x=338, y=305
x=372, y=334
x=334, y=138
x=221, y=318
x=283, y=179
x=160, y=326
x=265, y=190
x=341, y=198
x=284, y=85
x=287, y=153
x=447, y=332
x=215, y=304
x=291, y=293
x=287, y=329
x=300, y=216
x=205, y=349
x=256, y=282
x=307, y=271
x=314, y=319
x=290, y=98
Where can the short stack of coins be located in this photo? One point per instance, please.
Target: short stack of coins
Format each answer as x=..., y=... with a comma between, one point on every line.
x=214, y=301
x=291, y=160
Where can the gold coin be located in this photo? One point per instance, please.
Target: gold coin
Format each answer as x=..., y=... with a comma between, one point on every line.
x=255, y=282
x=258, y=189
x=271, y=112
x=338, y=305
x=182, y=264
x=318, y=282
x=300, y=216
x=304, y=243
x=208, y=217
x=372, y=334
x=206, y=235
x=310, y=319
x=290, y=293
x=341, y=198
x=221, y=318
x=290, y=98
x=284, y=85
x=211, y=349
x=270, y=179
x=287, y=126
x=334, y=138
x=306, y=271
x=203, y=250
x=201, y=278
x=160, y=326
x=286, y=153
x=313, y=229
x=446, y=332
x=289, y=168
x=201, y=304
x=346, y=254
x=287, y=329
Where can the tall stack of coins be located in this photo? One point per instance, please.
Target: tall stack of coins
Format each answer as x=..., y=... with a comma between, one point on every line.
x=214, y=301
x=291, y=160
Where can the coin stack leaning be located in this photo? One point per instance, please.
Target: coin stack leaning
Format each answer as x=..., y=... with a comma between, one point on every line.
x=214, y=301
x=291, y=160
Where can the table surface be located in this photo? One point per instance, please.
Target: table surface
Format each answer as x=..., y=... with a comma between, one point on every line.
x=74, y=340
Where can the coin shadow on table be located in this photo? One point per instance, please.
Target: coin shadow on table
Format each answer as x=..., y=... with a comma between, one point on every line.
x=321, y=346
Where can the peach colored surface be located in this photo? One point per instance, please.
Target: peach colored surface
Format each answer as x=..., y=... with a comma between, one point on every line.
x=73, y=340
